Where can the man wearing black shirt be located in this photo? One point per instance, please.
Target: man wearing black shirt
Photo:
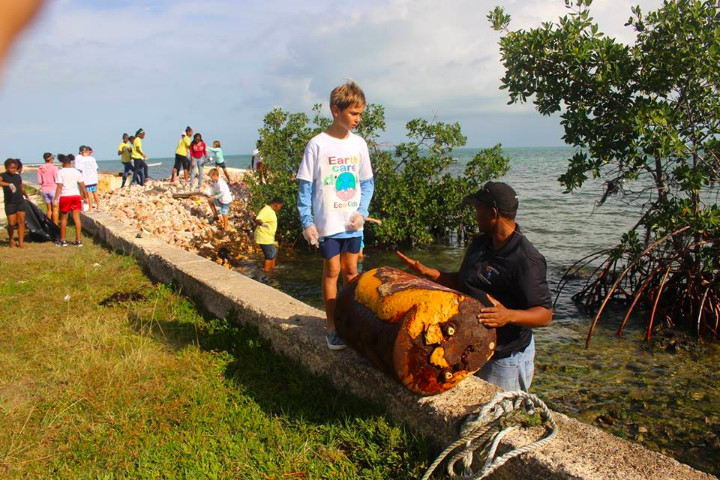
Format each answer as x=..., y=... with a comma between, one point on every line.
x=503, y=263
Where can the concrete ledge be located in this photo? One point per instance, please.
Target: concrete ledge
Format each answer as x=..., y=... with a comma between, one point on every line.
x=295, y=330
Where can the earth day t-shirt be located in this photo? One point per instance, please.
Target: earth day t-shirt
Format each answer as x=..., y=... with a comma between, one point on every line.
x=335, y=168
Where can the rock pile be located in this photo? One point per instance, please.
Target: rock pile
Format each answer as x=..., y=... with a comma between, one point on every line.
x=183, y=219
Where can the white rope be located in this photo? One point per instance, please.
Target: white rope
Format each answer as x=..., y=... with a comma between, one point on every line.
x=481, y=434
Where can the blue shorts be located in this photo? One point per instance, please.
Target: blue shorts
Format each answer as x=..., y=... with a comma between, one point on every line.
x=48, y=197
x=331, y=247
x=269, y=251
x=91, y=188
x=223, y=208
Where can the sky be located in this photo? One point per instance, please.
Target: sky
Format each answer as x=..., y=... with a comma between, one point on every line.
x=86, y=71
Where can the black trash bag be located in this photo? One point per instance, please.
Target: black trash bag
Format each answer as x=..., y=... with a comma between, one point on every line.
x=39, y=226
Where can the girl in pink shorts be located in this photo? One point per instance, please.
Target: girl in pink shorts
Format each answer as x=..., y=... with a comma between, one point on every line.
x=46, y=178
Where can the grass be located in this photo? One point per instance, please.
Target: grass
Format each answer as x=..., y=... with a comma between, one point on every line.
x=153, y=388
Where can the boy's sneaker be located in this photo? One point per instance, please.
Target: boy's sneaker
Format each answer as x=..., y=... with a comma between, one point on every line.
x=78, y=244
x=334, y=342
x=62, y=243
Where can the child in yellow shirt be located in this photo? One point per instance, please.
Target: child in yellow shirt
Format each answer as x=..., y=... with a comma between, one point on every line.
x=266, y=221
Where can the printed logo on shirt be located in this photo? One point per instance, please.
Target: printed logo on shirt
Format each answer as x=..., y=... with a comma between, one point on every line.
x=487, y=273
x=340, y=182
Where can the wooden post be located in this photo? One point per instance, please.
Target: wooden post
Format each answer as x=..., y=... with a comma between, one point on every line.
x=421, y=333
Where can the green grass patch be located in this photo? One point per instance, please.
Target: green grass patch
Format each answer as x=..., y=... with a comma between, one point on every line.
x=147, y=386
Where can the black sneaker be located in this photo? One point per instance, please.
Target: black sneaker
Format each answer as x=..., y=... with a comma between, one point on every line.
x=78, y=244
x=334, y=342
x=62, y=243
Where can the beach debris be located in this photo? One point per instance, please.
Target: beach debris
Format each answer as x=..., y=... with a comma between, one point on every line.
x=419, y=332
x=184, y=218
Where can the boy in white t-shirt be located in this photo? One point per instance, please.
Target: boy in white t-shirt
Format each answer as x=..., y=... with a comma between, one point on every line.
x=70, y=186
x=220, y=198
x=336, y=186
x=87, y=165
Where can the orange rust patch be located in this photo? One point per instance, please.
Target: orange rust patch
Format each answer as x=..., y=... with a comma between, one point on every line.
x=432, y=306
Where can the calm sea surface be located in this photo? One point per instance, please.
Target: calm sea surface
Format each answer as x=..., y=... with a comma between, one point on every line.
x=669, y=402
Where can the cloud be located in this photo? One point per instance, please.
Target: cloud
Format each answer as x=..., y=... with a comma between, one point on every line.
x=89, y=70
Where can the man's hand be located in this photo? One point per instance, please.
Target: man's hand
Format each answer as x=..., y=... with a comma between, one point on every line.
x=414, y=265
x=496, y=316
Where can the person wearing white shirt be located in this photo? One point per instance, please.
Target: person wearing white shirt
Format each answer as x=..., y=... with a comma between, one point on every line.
x=70, y=186
x=335, y=186
x=220, y=198
x=87, y=165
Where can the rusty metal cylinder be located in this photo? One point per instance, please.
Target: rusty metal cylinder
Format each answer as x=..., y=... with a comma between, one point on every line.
x=425, y=335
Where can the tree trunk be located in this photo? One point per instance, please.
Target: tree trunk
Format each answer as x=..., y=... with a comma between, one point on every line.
x=421, y=333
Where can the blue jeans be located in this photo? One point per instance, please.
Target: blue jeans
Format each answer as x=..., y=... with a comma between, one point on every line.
x=199, y=163
x=139, y=175
x=511, y=373
x=128, y=167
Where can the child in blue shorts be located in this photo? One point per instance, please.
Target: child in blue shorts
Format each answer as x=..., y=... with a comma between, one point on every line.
x=220, y=199
x=336, y=186
x=217, y=152
x=266, y=226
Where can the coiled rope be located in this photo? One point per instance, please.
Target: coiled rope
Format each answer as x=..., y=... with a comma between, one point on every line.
x=481, y=434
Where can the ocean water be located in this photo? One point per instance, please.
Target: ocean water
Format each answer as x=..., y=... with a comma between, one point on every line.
x=564, y=227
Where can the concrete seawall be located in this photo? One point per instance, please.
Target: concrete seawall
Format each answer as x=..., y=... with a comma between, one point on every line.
x=295, y=330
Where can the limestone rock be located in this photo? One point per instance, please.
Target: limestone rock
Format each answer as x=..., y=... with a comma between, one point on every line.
x=186, y=222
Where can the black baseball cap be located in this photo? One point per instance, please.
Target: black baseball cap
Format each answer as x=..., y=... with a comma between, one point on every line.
x=495, y=194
